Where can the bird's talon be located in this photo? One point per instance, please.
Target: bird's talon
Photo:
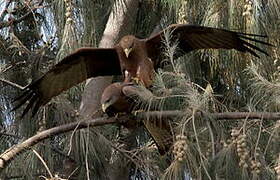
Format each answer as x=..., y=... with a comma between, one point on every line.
x=136, y=80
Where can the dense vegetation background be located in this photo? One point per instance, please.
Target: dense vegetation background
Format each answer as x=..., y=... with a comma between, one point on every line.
x=35, y=35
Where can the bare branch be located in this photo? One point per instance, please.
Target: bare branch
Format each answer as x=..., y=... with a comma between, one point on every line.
x=216, y=116
x=12, y=84
x=9, y=154
x=244, y=115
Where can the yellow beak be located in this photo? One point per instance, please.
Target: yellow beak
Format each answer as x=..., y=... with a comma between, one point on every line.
x=127, y=51
x=104, y=107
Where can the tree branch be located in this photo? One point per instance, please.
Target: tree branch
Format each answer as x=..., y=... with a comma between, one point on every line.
x=16, y=21
x=9, y=154
x=12, y=84
x=216, y=116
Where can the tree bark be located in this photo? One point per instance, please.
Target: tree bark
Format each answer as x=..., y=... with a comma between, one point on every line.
x=120, y=22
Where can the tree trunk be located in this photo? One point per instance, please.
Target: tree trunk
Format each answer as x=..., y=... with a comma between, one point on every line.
x=120, y=22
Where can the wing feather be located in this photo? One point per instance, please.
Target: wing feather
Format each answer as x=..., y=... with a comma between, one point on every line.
x=72, y=70
x=255, y=40
x=161, y=133
x=254, y=47
x=159, y=128
x=191, y=37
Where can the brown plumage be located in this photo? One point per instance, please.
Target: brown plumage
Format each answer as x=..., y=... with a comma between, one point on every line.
x=115, y=99
x=133, y=57
x=120, y=97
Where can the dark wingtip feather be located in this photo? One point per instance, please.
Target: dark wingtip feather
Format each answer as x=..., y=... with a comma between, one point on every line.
x=32, y=99
x=254, y=47
x=36, y=107
x=25, y=96
x=252, y=52
x=249, y=34
x=29, y=105
x=25, y=91
x=255, y=40
x=250, y=47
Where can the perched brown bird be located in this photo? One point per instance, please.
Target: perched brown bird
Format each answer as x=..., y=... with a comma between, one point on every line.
x=133, y=57
x=116, y=99
x=121, y=97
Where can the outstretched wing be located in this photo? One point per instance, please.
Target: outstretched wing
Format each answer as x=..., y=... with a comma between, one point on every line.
x=72, y=70
x=191, y=37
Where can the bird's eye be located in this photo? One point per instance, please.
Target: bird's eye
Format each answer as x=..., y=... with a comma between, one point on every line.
x=131, y=45
x=108, y=100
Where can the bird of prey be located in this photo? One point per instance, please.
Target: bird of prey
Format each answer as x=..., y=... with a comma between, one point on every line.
x=134, y=58
x=116, y=98
x=120, y=97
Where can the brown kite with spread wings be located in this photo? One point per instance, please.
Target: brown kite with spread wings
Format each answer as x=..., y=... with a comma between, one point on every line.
x=133, y=57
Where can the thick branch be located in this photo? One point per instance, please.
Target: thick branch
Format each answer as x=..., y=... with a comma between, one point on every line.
x=244, y=115
x=8, y=155
x=216, y=116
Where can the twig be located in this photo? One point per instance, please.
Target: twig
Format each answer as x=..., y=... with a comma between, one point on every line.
x=12, y=84
x=11, y=66
x=16, y=21
x=201, y=156
x=44, y=163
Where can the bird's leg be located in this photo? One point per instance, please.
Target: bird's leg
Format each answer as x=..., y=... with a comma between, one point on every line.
x=136, y=80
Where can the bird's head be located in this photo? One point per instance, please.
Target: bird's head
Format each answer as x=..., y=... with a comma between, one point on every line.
x=127, y=44
x=110, y=96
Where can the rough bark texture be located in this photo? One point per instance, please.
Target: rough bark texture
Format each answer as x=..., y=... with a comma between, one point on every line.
x=120, y=22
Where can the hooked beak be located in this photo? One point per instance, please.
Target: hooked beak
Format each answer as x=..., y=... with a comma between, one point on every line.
x=104, y=107
x=127, y=51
